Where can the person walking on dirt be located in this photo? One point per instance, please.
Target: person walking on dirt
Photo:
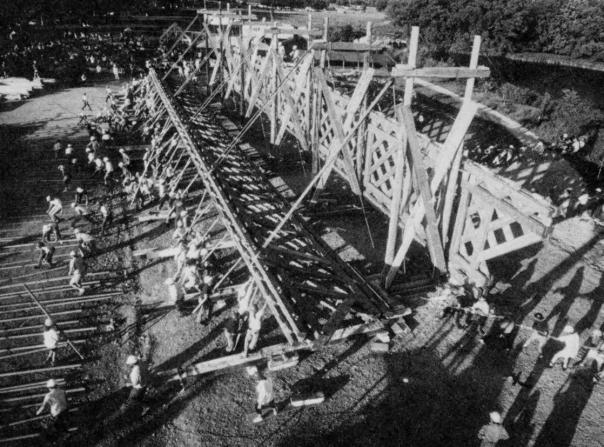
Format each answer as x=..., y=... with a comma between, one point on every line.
x=137, y=381
x=55, y=207
x=56, y=401
x=265, y=399
x=539, y=333
x=85, y=102
x=57, y=148
x=77, y=271
x=493, y=432
x=46, y=254
x=65, y=176
x=478, y=315
x=51, y=341
x=107, y=215
x=572, y=344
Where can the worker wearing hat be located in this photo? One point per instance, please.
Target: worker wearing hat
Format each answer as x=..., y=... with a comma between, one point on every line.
x=136, y=381
x=56, y=401
x=55, y=207
x=51, y=340
x=572, y=344
x=493, y=432
x=539, y=333
x=265, y=399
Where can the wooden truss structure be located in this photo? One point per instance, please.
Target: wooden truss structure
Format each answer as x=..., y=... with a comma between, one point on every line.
x=308, y=289
x=463, y=213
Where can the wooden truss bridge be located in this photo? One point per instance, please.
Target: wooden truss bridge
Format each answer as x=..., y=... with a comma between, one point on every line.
x=308, y=288
x=431, y=194
x=464, y=213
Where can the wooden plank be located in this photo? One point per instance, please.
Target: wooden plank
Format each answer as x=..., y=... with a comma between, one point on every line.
x=434, y=239
x=440, y=72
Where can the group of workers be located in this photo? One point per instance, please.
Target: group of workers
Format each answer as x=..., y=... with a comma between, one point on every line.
x=471, y=311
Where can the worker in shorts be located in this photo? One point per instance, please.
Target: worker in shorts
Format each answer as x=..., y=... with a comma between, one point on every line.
x=65, y=177
x=51, y=341
x=77, y=271
x=265, y=398
x=85, y=103
x=106, y=215
x=46, y=254
x=56, y=401
x=137, y=381
x=55, y=207
x=49, y=229
x=493, y=432
x=254, y=325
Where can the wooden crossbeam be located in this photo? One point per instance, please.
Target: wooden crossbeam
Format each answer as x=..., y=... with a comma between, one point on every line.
x=345, y=46
x=440, y=72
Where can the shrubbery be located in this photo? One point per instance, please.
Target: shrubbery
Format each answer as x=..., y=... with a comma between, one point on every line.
x=566, y=27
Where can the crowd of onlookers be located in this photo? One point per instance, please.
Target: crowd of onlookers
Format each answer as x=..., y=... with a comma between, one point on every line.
x=72, y=56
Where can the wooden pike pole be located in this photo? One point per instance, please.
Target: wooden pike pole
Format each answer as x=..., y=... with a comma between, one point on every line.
x=33, y=297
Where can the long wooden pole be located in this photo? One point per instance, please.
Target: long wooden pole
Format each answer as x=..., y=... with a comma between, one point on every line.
x=33, y=297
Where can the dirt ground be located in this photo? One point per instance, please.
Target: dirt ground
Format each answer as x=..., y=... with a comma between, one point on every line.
x=434, y=388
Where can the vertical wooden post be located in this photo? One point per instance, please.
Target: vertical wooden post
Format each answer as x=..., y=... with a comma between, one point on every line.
x=411, y=62
x=309, y=29
x=242, y=66
x=399, y=160
x=454, y=173
x=274, y=83
x=207, y=65
x=249, y=13
x=367, y=61
x=316, y=118
x=473, y=64
x=221, y=58
x=325, y=37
